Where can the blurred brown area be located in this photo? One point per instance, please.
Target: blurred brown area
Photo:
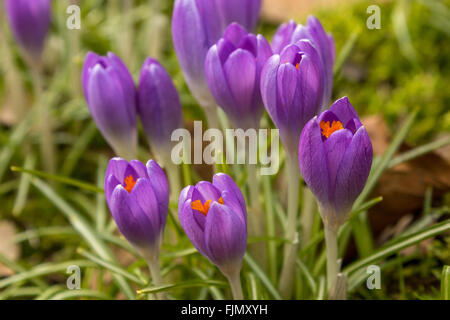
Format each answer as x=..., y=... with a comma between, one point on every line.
x=283, y=10
x=403, y=187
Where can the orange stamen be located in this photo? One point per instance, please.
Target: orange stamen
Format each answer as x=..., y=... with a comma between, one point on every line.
x=297, y=66
x=327, y=130
x=129, y=183
x=203, y=208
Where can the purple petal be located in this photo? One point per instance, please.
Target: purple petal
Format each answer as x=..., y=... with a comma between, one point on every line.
x=217, y=82
x=313, y=161
x=240, y=72
x=224, y=182
x=244, y=12
x=283, y=36
x=158, y=104
x=108, y=107
x=185, y=194
x=353, y=172
x=145, y=197
x=207, y=191
x=335, y=147
x=30, y=22
x=160, y=185
x=139, y=168
x=225, y=236
x=111, y=183
x=131, y=220
x=235, y=33
x=117, y=167
x=193, y=231
x=344, y=110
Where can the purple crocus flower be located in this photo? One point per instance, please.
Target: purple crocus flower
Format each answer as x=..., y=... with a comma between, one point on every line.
x=335, y=156
x=30, y=22
x=196, y=26
x=110, y=94
x=158, y=106
x=233, y=68
x=290, y=32
x=214, y=217
x=138, y=198
x=291, y=89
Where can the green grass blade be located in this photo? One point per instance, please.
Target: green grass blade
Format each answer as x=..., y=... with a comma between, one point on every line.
x=82, y=293
x=84, y=229
x=24, y=186
x=58, y=178
x=114, y=268
x=445, y=283
x=262, y=276
x=43, y=269
x=397, y=245
x=184, y=284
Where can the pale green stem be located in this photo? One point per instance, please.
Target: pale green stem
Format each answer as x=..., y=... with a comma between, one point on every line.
x=307, y=216
x=45, y=122
x=155, y=272
x=235, y=283
x=291, y=246
x=332, y=258
x=255, y=216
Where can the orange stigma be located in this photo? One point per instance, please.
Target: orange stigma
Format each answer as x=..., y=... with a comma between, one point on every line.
x=297, y=66
x=203, y=208
x=129, y=183
x=327, y=130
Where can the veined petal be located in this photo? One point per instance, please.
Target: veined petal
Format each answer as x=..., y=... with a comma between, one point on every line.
x=225, y=236
x=240, y=72
x=335, y=147
x=192, y=229
x=131, y=220
x=313, y=161
x=224, y=182
x=160, y=185
x=353, y=172
x=344, y=110
x=145, y=197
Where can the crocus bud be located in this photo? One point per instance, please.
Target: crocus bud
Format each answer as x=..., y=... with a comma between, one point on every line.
x=138, y=198
x=290, y=32
x=30, y=22
x=335, y=156
x=111, y=97
x=158, y=106
x=291, y=89
x=196, y=26
x=214, y=217
x=233, y=68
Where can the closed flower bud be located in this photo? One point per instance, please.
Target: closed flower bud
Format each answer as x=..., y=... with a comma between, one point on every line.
x=110, y=94
x=196, y=26
x=159, y=106
x=290, y=32
x=30, y=22
x=214, y=217
x=291, y=89
x=335, y=157
x=138, y=198
x=233, y=68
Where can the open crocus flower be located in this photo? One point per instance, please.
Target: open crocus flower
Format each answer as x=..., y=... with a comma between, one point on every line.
x=291, y=32
x=233, y=67
x=30, y=22
x=291, y=89
x=335, y=157
x=214, y=217
x=196, y=26
x=138, y=198
x=110, y=93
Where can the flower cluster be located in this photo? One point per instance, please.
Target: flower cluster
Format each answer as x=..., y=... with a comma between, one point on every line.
x=223, y=63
